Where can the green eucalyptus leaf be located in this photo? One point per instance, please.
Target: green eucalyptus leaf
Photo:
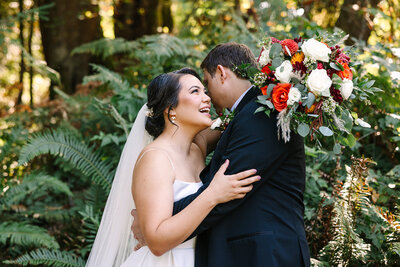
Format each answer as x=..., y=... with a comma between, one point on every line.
x=325, y=131
x=269, y=104
x=275, y=50
x=334, y=66
x=276, y=62
x=337, y=148
x=303, y=129
x=310, y=99
x=260, y=109
x=269, y=90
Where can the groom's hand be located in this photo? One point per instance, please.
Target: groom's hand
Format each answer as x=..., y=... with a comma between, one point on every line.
x=137, y=234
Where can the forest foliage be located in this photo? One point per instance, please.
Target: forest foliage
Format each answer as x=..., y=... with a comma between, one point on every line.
x=59, y=152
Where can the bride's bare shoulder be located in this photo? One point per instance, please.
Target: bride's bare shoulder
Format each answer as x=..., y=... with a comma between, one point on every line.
x=154, y=161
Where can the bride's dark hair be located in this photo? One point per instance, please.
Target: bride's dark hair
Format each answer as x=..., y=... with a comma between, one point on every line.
x=162, y=93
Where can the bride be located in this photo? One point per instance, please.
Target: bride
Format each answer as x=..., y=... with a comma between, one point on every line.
x=165, y=170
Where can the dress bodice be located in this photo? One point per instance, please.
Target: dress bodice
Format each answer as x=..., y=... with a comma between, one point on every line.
x=181, y=190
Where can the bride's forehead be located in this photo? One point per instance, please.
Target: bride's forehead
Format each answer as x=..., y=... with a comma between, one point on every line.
x=189, y=80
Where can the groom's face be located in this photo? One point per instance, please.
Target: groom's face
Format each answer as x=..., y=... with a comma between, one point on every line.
x=215, y=90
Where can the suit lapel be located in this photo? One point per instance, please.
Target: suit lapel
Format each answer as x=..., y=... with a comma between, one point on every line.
x=253, y=92
x=206, y=173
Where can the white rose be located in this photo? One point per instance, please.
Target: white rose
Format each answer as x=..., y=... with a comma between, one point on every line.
x=284, y=71
x=294, y=96
x=319, y=82
x=316, y=50
x=346, y=88
x=217, y=123
x=264, y=58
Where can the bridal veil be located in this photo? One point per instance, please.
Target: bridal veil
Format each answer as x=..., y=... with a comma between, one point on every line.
x=114, y=240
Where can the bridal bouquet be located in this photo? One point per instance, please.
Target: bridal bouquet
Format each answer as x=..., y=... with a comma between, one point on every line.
x=309, y=83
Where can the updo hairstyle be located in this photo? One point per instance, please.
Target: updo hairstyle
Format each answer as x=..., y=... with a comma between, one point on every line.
x=162, y=93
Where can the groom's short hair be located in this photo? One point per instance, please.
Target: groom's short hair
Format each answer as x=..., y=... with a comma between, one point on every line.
x=230, y=55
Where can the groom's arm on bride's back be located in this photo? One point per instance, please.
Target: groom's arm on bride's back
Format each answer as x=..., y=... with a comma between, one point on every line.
x=253, y=144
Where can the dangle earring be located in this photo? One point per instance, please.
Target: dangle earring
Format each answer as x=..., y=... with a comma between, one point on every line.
x=173, y=118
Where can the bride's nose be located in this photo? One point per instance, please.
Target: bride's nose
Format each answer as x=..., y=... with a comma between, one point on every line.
x=206, y=99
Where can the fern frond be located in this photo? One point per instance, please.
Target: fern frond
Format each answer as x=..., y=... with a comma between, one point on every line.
x=107, y=47
x=23, y=234
x=32, y=183
x=112, y=78
x=71, y=149
x=165, y=45
x=109, y=109
x=91, y=225
x=47, y=257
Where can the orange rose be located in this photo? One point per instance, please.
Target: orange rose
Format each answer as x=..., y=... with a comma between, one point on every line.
x=346, y=73
x=280, y=95
x=264, y=90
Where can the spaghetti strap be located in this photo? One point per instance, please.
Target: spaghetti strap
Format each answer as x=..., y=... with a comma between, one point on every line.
x=158, y=149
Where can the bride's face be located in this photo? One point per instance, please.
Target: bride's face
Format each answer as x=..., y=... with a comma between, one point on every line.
x=193, y=103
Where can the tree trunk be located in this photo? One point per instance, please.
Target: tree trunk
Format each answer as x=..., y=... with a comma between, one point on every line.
x=357, y=23
x=71, y=23
x=22, y=63
x=167, y=20
x=135, y=18
x=32, y=21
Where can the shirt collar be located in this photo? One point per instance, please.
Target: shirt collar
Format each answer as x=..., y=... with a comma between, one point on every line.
x=239, y=99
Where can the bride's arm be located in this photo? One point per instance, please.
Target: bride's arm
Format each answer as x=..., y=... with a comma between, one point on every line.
x=207, y=140
x=152, y=189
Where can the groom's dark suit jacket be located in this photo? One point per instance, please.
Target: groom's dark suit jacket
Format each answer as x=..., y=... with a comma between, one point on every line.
x=266, y=228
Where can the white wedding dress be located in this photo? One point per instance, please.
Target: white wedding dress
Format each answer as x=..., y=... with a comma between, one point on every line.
x=180, y=256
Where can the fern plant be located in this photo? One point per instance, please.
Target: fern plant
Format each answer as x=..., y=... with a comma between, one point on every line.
x=91, y=222
x=107, y=47
x=32, y=183
x=71, y=149
x=26, y=235
x=347, y=247
x=47, y=257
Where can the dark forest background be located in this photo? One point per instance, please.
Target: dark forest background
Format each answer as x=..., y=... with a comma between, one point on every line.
x=73, y=75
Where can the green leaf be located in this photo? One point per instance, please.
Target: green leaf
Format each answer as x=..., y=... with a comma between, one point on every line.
x=334, y=66
x=259, y=109
x=276, y=62
x=310, y=100
x=348, y=122
x=269, y=104
x=349, y=140
x=47, y=257
x=369, y=84
x=73, y=150
x=262, y=97
x=31, y=184
x=325, y=131
x=269, y=89
x=22, y=234
x=275, y=50
x=337, y=148
x=303, y=129
x=267, y=112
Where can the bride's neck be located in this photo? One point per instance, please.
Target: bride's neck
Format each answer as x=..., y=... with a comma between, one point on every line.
x=178, y=138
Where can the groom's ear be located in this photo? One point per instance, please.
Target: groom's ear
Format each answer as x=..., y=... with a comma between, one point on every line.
x=221, y=73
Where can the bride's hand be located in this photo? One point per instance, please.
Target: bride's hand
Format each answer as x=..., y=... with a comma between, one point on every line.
x=224, y=188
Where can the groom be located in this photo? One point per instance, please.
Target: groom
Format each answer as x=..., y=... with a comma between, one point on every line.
x=266, y=227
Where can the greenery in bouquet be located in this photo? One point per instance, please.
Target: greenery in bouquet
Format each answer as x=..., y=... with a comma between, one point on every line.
x=310, y=83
